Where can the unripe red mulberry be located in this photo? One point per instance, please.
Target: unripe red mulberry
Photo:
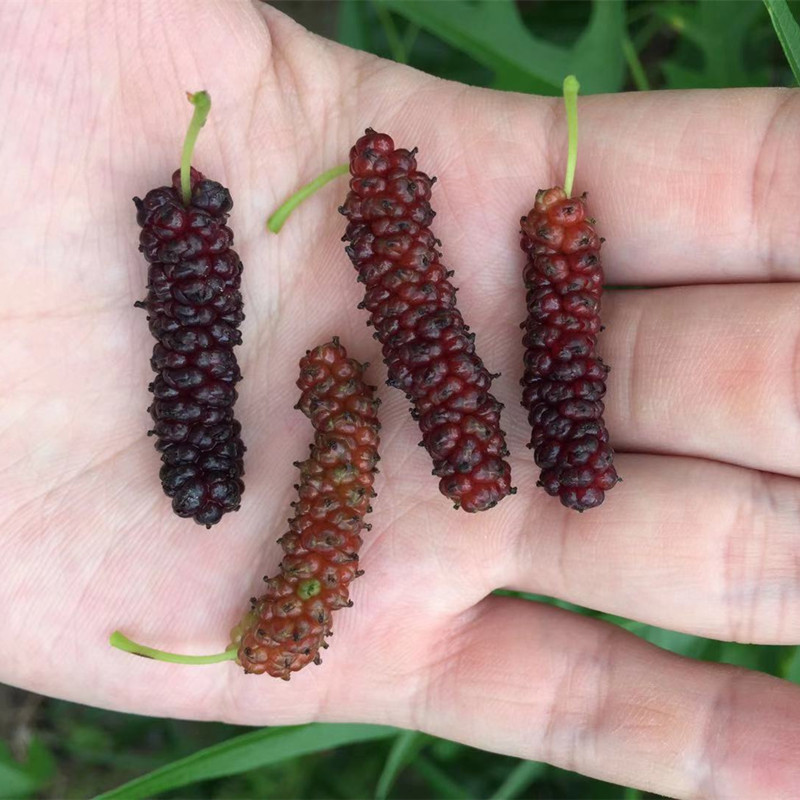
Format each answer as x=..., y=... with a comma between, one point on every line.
x=564, y=380
x=427, y=347
x=287, y=626
x=194, y=309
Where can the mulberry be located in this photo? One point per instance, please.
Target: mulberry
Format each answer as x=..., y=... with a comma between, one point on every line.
x=564, y=378
x=194, y=311
x=287, y=626
x=427, y=347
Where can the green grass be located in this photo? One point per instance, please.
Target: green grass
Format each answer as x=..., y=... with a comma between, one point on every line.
x=54, y=749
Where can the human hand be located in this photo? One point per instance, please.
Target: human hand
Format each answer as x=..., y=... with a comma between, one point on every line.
x=688, y=189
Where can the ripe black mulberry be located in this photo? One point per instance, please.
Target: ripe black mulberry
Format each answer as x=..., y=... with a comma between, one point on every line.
x=194, y=310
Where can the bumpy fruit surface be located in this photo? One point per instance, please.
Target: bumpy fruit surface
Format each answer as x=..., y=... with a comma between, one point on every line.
x=427, y=348
x=194, y=310
x=564, y=380
x=287, y=626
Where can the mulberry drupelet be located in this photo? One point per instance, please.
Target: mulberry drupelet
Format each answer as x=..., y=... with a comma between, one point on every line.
x=287, y=626
x=194, y=310
x=564, y=378
x=427, y=347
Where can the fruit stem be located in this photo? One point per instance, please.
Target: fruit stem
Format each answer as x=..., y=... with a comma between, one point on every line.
x=571, y=89
x=122, y=642
x=279, y=217
x=202, y=105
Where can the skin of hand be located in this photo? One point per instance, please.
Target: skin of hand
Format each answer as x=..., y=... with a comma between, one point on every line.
x=697, y=196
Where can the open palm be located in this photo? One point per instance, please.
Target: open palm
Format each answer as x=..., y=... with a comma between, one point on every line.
x=697, y=195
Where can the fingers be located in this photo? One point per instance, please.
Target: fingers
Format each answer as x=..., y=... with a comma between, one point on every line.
x=545, y=684
x=693, y=187
x=686, y=544
x=686, y=187
x=707, y=371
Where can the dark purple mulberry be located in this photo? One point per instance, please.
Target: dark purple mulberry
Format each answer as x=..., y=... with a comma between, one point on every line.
x=426, y=345
x=194, y=309
x=564, y=380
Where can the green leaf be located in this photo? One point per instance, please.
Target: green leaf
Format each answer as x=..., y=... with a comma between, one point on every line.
x=749, y=656
x=18, y=780
x=788, y=32
x=679, y=77
x=393, y=38
x=519, y=779
x=444, y=786
x=597, y=58
x=447, y=750
x=83, y=738
x=352, y=28
x=247, y=752
x=682, y=643
x=791, y=667
x=719, y=29
x=493, y=34
x=404, y=749
x=638, y=75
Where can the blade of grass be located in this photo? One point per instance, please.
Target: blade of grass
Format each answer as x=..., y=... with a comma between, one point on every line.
x=18, y=780
x=396, y=47
x=638, y=74
x=351, y=26
x=404, y=748
x=650, y=28
x=410, y=38
x=445, y=787
x=791, y=667
x=246, y=752
x=519, y=779
x=639, y=12
x=788, y=32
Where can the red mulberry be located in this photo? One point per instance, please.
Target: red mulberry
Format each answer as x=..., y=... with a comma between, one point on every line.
x=288, y=625
x=427, y=347
x=564, y=380
x=194, y=309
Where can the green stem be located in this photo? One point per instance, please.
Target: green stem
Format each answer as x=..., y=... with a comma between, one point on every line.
x=279, y=217
x=202, y=105
x=392, y=36
x=635, y=65
x=122, y=642
x=645, y=34
x=571, y=89
x=410, y=38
